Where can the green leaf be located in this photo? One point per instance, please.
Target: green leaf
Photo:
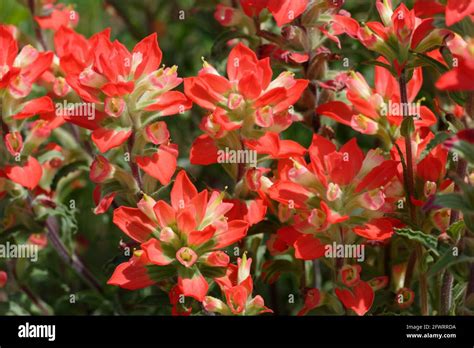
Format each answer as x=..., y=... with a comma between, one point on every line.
x=453, y=201
x=455, y=230
x=279, y=266
x=446, y=260
x=428, y=61
x=466, y=149
x=383, y=65
x=429, y=241
x=66, y=170
x=220, y=47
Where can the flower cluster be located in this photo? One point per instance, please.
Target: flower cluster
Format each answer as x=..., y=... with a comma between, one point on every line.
x=347, y=188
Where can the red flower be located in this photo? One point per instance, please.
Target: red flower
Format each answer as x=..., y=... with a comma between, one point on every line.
x=18, y=72
x=161, y=165
x=284, y=11
x=359, y=298
x=312, y=300
x=247, y=102
x=455, y=10
x=131, y=83
x=237, y=287
x=3, y=279
x=28, y=175
x=460, y=77
x=181, y=239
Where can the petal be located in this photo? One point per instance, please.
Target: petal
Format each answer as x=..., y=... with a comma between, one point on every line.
x=133, y=223
x=456, y=10
x=183, y=191
x=285, y=11
x=154, y=252
x=194, y=286
x=288, y=192
x=104, y=203
x=171, y=103
x=359, y=300
x=106, y=139
x=197, y=238
x=308, y=247
x=28, y=176
x=161, y=165
x=164, y=214
x=336, y=110
x=377, y=229
x=378, y=176
x=236, y=230
x=36, y=106
x=240, y=58
x=203, y=151
x=131, y=275
x=150, y=53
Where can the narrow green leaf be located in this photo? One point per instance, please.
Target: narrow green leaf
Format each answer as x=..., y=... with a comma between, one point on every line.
x=429, y=241
x=446, y=260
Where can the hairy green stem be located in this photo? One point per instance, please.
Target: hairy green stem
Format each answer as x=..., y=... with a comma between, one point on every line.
x=410, y=187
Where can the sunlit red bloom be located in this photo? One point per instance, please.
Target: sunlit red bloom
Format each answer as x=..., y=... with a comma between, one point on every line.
x=103, y=72
x=358, y=298
x=14, y=143
x=371, y=108
x=332, y=187
x=459, y=78
x=455, y=10
x=237, y=287
x=19, y=71
x=312, y=300
x=27, y=175
x=248, y=101
x=57, y=16
x=181, y=239
x=284, y=11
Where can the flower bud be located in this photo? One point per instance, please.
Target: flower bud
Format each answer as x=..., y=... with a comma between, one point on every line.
x=101, y=170
x=167, y=235
x=372, y=200
x=227, y=16
x=146, y=205
x=404, y=298
x=88, y=77
x=333, y=192
x=384, y=7
x=317, y=218
x=214, y=305
x=186, y=256
x=114, y=106
x=264, y=117
x=430, y=188
x=60, y=87
x=243, y=268
x=234, y=101
x=157, y=133
x=350, y=275
x=14, y=143
x=364, y=125
x=217, y=259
